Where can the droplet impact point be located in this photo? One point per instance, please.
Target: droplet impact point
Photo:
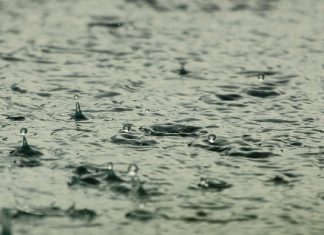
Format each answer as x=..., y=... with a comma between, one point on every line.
x=78, y=116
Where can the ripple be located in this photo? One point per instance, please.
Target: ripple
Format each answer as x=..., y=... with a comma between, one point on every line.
x=107, y=94
x=229, y=97
x=251, y=154
x=172, y=130
x=263, y=92
x=16, y=118
x=199, y=219
x=16, y=88
x=130, y=139
x=279, y=180
x=141, y=215
x=107, y=22
x=24, y=211
x=213, y=184
x=220, y=145
x=132, y=86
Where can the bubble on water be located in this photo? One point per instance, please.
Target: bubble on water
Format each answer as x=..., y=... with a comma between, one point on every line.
x=127, y=127
x=23, y=131
x=211, y=138
x=261, y=77
x=132, y=170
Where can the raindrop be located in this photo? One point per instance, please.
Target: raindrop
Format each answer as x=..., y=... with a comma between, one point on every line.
x=203, y=183
x=127, y=127
x=261, y=77
x=23, y=131
x=25, y=150
x=111, y=175
x=132, y=170
x=211, y=138
x=110, y=166
x=78, y=116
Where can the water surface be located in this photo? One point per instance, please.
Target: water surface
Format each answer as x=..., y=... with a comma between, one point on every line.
x=249, y=72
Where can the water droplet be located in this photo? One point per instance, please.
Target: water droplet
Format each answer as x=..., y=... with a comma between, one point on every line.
x=132, y=170
x=211, y=138
x=261, y=77
x=127, y=127
x=146, y=131
x=23, y=131
x=110, y=166
x=203, y=182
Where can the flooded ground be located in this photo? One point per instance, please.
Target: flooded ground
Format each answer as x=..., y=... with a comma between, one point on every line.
x=218, y=103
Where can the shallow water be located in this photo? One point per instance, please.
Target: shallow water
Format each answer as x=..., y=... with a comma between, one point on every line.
x=177, y=72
